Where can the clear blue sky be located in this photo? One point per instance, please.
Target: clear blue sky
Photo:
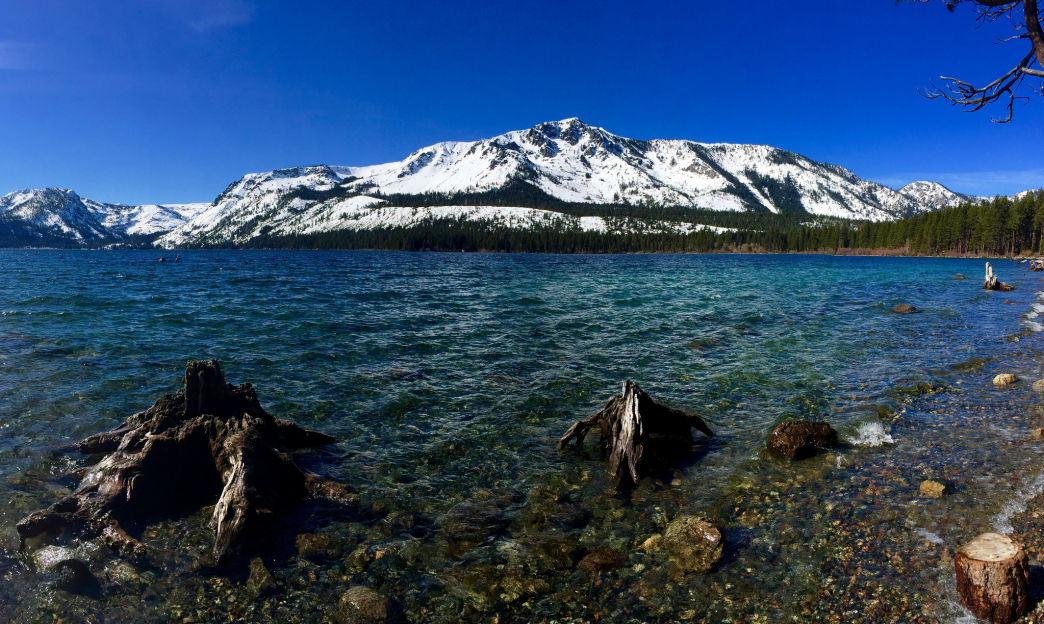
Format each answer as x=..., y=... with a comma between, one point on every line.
x=153, y=101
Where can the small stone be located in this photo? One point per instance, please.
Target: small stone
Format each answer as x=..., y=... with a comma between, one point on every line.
x=260, y=582
x=123, y=573
x=602, y=560
x=797, y=439
x=1038, y=433
x=512, y=587
x=1004, y=379
x=358, y=560
x=1039, y=385
x=362, y=605
x=653, y=544
x=312, y=545
x=693, y=544
x=959, y=277
x=904, y=308
x=933, y=488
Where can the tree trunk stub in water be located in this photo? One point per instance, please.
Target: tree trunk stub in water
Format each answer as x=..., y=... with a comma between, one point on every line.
x=627, y=423
x=992, y=283
x=208, y=440
x=992, y=578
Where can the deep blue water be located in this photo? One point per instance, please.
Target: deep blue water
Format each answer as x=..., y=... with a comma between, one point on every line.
x=450, y=376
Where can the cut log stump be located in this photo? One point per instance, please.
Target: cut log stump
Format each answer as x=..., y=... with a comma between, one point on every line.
x=992, y=283
x=631, y=424
x=992, y=578
x=210, y=441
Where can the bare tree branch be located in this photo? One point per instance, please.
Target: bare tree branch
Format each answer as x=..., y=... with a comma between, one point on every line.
x=1029, y=27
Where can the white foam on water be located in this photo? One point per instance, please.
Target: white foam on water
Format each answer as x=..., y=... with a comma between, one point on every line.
x=1017, y=504
x=929, y=536
x=1035, y=326
x=871, y=434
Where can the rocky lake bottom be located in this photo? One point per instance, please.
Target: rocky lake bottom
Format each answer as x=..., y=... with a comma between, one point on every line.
x=447, y=380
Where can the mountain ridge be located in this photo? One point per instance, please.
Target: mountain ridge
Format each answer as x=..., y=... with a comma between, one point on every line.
x=566, y=162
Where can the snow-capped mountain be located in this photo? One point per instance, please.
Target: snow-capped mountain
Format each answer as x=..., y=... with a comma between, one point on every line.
x=61, y=214
x=932, y=195
x=568, y=160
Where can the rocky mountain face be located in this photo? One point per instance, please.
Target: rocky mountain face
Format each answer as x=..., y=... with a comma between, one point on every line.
x=47, y=216
x=563, y=161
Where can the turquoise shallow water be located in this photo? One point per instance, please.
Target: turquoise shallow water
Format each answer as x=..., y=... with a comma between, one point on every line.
x=449, y=377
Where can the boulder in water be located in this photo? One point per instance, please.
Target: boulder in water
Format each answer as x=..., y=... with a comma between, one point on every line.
x=904, y=308
x=1004, y=379
x=801, y=438
x=693, y=544
x=959, y=277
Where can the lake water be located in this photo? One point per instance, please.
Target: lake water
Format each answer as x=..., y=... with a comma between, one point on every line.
x=448, y=379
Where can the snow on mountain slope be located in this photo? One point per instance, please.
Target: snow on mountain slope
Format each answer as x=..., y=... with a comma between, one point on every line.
x=568, y=160
x=933, y=195
x=62, y=214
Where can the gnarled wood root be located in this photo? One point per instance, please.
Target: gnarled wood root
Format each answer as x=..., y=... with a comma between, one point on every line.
x=629, y=423
x=992, y=283
x=209, y=440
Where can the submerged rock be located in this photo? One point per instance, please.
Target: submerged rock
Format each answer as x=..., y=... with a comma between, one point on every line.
x=693, y=544
x=933, y=488
x=260, y=582
x=904, y=308
x=1004, y=379
x=469, y=523
x=602, y=560
x=64, y=568
x=1039, y=385
x=314, y=546
x=802, y=438
x=362, y=605
x=653, y=544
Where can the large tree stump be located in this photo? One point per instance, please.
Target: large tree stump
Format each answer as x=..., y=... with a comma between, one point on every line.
x=629, y=423
x=992, y=578
x=209, y=441
x=992, y=283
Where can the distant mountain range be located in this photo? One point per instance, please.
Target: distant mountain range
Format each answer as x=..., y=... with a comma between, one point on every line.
x=567, y=162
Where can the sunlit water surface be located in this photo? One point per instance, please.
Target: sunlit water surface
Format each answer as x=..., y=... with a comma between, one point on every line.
x=448, y=378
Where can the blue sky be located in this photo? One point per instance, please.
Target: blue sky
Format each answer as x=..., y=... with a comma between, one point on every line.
x=150, y=101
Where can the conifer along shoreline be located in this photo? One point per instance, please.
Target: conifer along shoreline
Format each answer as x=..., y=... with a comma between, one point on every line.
x=995, y=228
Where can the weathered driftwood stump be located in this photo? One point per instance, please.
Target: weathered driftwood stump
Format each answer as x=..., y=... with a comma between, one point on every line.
x=631, y=423
x=992, y=283
x=992, y=578
x=210, y=440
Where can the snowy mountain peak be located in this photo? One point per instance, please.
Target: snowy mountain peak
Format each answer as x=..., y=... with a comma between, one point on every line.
x=60, y=214
x=933, y=195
